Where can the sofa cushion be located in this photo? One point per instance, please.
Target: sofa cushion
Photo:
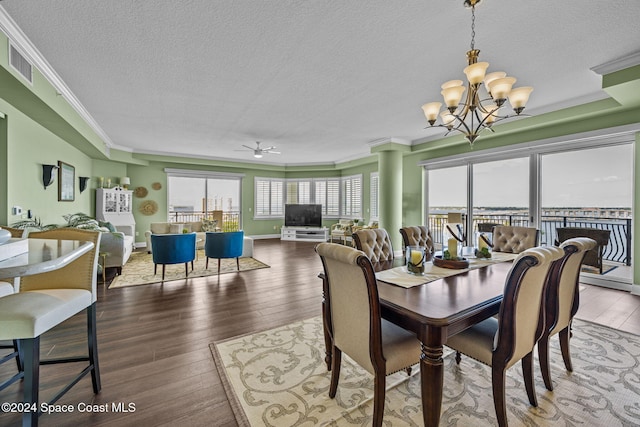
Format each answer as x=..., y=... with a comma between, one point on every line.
x=209, y=224
x=196, y=226
x=159, y=227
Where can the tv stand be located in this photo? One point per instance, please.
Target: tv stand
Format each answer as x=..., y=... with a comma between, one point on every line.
x=308, y=234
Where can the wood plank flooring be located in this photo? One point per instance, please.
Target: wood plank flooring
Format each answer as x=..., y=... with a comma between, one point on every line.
x=154, y=339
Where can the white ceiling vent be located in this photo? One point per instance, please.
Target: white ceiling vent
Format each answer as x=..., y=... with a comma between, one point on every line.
x=20, y=63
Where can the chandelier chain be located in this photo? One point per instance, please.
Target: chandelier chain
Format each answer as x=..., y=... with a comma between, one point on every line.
x=473, y=27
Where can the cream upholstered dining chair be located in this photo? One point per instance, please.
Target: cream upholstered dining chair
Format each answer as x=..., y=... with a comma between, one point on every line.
x=377, y=345
x=45, y=300
x=502, y=342
x=417, y=235
x=562, y=303
x=375, y=243
x=514, y=240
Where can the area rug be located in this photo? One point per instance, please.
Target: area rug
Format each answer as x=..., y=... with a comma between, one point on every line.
x=139, y=269
x=279, y=378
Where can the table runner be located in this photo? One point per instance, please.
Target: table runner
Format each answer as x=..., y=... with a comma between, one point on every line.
x=400, y=277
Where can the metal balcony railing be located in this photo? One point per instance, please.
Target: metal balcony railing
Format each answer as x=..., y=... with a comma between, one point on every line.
x=618, y=249
x=230, y=219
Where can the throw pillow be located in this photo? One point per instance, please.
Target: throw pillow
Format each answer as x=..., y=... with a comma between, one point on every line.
x=186, y=228
x=209, y=224
x=107, y=225
x=175, y=228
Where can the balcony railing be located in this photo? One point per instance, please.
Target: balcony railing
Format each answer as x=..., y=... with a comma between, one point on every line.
x=618, y=249
x=230, y=219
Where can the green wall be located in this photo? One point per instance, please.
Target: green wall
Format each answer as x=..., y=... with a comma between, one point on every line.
x=28, y=146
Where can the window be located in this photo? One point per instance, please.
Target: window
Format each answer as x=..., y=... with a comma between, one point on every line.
x=338, y=196
x=269, y=198
x=374, y=182
x=352, y=196
x=192, y=195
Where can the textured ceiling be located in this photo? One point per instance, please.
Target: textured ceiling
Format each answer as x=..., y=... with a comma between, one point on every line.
x=320, y=80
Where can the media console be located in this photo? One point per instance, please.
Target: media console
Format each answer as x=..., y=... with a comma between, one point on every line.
x=309, y=234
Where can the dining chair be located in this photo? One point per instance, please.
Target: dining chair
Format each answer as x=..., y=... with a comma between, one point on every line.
x=562, y=303
x=595, y=255
x=45, y=300
x=173, y=249
x=514, y=240
x=375, y=243
x=378, y=346
x=502, y=342
x=224, y=245
x=417, y=235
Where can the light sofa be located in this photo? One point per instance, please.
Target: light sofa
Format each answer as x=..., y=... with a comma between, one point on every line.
x=118, y=246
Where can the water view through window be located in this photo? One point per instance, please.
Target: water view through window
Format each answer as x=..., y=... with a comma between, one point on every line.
x=589, y=188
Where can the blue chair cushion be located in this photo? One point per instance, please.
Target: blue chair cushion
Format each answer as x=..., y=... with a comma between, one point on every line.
x=224, y=244
x=173, y=248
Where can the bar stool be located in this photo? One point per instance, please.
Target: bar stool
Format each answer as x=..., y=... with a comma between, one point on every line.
x=45, y=300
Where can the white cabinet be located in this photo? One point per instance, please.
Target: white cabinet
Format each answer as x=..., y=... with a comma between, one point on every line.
x=308, y=234
x=115, y=206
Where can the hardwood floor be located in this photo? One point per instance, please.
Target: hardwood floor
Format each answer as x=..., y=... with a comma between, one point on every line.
x=154, y=339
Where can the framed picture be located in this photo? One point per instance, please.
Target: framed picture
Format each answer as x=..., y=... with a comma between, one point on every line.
x=66, y=181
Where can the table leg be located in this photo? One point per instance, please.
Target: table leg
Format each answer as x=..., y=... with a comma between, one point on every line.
x=432, y=381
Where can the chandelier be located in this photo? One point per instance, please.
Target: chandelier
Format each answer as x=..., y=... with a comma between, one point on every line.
x=476, y=113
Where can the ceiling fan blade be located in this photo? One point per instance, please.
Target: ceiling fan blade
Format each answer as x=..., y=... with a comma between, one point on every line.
x=268, y=148
x=271, y=152
x=247, y=147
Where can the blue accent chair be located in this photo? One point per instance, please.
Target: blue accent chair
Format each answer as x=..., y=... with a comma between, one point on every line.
x=224, y=245
x=173, y=249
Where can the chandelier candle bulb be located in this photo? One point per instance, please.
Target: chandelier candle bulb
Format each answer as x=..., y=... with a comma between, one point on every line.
x=475, y=72
x=431, y=111
x=518, y=98
x=500, y=89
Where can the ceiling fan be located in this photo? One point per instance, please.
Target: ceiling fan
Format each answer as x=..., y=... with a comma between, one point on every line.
x=258, y=151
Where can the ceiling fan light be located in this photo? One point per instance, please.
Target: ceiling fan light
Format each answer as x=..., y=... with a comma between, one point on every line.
x=475, y=72
x=257, y=155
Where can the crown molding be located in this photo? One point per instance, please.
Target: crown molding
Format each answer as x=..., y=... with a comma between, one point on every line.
x=9, y=27
x=628, y=61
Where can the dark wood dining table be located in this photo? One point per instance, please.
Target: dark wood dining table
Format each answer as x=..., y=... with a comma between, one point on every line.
x=436, y=311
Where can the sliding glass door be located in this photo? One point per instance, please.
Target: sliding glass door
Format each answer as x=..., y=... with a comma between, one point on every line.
x=592, y=190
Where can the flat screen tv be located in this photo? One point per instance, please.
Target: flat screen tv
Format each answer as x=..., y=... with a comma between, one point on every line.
x=303, y=215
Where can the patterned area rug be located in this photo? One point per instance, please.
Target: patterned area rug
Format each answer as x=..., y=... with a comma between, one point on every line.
x=278, y=378
x=139, y=269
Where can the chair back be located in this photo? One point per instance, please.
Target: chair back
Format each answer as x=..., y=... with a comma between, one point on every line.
x=417, y=235
x=562, y=297
x=173, y=248
x=594, y=256
x=15, y=232
x=514, y=239
x=226, y=244
x=375, y=243
x=487, y=227
x=353, y=303
x=521, y=316
x=79, y=274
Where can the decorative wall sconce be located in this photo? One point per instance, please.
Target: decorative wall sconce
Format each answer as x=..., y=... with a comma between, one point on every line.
x=83, y=182
x=125, y=182
x=47, y=174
